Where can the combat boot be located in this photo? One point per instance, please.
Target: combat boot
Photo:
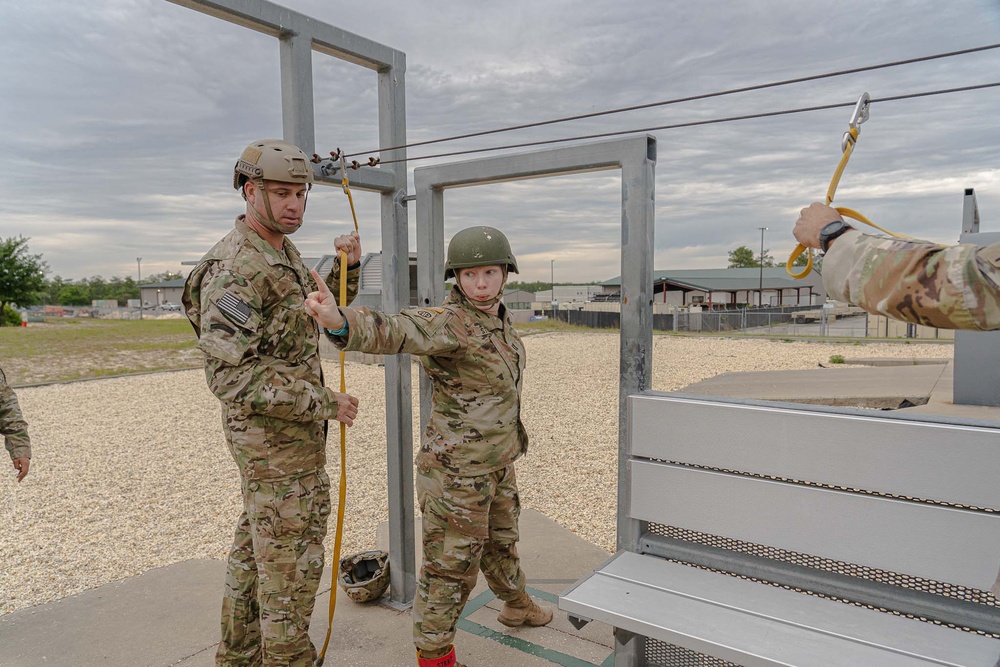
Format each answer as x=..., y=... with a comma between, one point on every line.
x=524, y=611
x=446, y=660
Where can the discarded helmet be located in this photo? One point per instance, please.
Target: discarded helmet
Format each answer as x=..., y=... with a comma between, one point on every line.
x=364, y=576
x=272, y=160
x=478, y=246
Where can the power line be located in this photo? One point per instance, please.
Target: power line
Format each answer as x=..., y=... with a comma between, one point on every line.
x=694, y=123
x=678, y=100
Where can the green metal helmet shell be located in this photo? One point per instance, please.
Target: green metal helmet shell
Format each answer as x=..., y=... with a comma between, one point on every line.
x=478, y=246
x=364, y=576
x=272, y=160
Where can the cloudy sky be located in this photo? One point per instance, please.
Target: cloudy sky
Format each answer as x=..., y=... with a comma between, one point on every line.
x=120, y=121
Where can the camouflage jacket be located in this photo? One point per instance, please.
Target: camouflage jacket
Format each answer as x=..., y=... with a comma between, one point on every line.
x=949, y=287
x=12, y=424
x=475, y=363
x=245, y=301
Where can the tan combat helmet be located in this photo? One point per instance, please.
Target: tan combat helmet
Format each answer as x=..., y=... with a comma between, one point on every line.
x=364, y=576
x=271, y=160
x=479, y=246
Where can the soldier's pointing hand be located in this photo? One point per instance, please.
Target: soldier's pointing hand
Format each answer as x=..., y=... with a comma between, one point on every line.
x=322, y=306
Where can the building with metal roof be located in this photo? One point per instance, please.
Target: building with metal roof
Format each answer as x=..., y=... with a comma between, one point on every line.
x=730, y=288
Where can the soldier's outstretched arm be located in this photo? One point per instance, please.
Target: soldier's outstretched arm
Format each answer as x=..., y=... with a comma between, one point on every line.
x=949, y=287
x=422, y=331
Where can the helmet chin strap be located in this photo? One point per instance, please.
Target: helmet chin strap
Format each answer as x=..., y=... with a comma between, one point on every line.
x=270, y=223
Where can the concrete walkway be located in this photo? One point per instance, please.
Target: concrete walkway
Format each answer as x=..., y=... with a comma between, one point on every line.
x=923, y=387
x=170, y=616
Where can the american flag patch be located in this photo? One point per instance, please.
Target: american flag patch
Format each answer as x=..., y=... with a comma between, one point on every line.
x=236, y=310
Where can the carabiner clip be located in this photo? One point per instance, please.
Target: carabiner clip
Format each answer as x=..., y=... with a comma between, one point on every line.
x=343, y=170
x=859, y=116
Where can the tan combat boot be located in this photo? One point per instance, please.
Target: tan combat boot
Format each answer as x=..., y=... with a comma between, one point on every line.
x=446, y=660
x=524, y=611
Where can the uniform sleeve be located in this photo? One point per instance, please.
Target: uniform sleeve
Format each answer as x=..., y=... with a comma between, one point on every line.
x=230, y=335
x=353, y=278
x=949, y=287
x=12, y=424
x=420, y=331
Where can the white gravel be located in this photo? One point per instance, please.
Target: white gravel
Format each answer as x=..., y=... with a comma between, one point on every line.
x=132, y=473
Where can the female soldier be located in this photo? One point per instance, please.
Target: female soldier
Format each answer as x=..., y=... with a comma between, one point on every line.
x=465, y=481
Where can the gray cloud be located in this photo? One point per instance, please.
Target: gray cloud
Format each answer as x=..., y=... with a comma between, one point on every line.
x=122, y=119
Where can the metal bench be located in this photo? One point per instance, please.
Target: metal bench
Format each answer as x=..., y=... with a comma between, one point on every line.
x=780, y=534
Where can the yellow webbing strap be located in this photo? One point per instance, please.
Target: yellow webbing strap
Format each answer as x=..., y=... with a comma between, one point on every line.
x=342, y=300
x=845, y=212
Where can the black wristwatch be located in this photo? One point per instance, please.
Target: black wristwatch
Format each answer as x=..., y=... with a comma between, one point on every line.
x=831, y=231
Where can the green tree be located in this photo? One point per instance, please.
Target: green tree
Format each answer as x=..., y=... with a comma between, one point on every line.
x=744, y=258
x=52, y=288
x=22, y=275
x=161, y=277
x=74, y=295
x=533, y=287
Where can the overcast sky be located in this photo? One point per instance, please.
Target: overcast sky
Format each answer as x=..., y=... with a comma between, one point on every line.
x=120, y=121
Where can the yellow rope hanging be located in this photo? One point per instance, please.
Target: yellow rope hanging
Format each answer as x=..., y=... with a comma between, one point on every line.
x=850, y=139
x=342, y=300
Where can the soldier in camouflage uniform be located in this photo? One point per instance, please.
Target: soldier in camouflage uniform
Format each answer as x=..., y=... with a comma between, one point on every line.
x=466, y=483
x=949, y=287
x=14, y=429
x=245, y=300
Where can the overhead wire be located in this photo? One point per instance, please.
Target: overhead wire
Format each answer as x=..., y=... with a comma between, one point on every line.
x=694, y=123
x=690, y=98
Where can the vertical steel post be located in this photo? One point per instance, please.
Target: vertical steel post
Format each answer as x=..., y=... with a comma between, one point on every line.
x=395, y=296
x=430, y=263
x=636, y=359
x=970, y=212
x=297, y=119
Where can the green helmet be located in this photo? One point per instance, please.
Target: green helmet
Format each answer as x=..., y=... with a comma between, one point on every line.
x=272, y=160
x=478, y=246
x=364, y=576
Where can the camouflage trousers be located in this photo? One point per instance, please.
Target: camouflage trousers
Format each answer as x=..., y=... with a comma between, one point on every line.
x=274, y=569
x=469, y=523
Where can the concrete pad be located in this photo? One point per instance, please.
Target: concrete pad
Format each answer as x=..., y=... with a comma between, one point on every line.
x=877, y=388
x=170, y=617
x=160, y=617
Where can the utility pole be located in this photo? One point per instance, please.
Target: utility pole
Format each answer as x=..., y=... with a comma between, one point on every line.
x=138, y=262
x=760, y=295
x=552, y=282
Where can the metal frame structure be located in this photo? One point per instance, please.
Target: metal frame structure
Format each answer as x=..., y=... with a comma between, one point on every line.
x=636, y=158
x=298, y=36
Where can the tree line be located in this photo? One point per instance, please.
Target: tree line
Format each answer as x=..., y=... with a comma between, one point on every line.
x=23, y=283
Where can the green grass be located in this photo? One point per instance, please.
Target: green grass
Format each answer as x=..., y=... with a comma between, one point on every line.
x=64, y=349
x=70, y=335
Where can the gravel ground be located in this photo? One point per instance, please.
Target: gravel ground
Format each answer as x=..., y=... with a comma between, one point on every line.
x=132, y=473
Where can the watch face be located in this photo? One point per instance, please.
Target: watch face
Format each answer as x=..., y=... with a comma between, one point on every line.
x=831, y=231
